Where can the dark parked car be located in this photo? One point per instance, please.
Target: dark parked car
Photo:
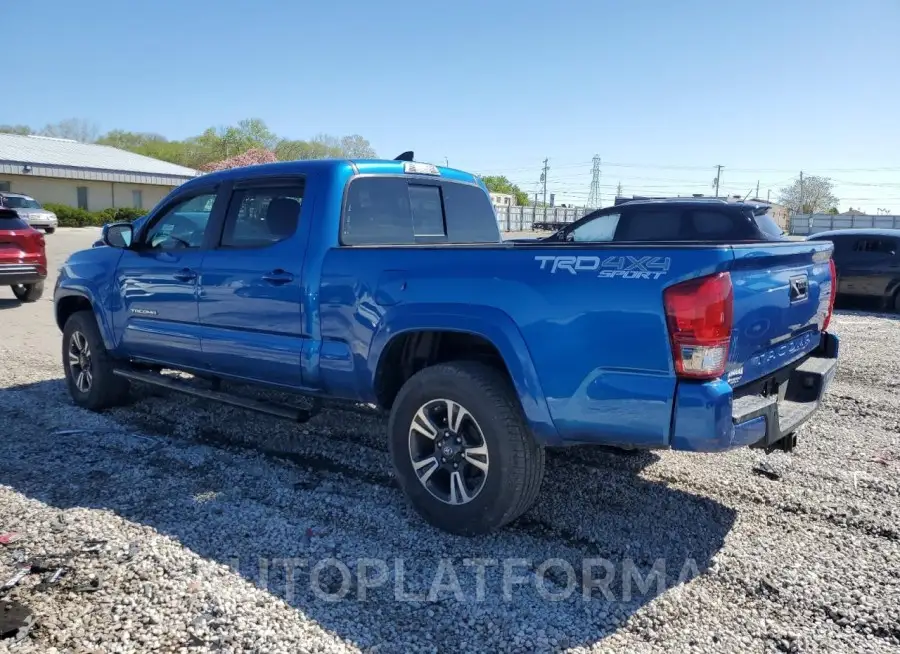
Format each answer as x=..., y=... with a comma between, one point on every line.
x=867, y=263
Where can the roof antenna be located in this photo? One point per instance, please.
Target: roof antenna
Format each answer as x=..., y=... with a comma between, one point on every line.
x=406, y=156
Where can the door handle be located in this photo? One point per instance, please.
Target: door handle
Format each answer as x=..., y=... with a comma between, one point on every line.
x=185, y=275
x=278, y=277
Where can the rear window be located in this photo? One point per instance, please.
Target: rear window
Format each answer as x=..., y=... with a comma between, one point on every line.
x=10, y=220
x=658, y=223
x=401, y=211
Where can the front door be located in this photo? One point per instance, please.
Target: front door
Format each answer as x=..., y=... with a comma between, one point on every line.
x=251, y=285
x=157, y=281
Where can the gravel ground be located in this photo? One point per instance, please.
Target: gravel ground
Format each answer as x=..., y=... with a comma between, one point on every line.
x=228, y=531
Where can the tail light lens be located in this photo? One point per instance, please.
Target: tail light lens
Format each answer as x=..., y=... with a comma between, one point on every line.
x=834, y=285
x=700, y=314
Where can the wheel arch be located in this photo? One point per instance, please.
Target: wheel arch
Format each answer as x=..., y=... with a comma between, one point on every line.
x=484, y=332
x=70, y=301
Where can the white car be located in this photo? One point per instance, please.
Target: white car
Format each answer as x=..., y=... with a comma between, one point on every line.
x=29, y=210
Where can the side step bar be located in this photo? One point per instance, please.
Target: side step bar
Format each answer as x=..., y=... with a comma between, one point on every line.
x=279, y=410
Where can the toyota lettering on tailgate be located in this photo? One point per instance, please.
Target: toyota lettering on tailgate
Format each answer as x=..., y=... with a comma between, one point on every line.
x=624, y=267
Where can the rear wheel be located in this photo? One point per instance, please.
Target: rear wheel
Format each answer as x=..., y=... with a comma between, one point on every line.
x=896, y=302
x=28, y=292
x=461, y=450
x=88, y=366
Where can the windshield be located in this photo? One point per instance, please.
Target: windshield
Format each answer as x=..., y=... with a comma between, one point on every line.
x=18, y=202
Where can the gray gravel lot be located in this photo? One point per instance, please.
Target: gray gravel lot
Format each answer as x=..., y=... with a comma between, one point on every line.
x=229, y=531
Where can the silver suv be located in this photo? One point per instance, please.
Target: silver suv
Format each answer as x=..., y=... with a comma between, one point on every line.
x=29, y=210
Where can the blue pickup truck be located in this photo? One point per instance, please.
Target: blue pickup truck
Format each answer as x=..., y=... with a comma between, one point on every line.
x=683, y=325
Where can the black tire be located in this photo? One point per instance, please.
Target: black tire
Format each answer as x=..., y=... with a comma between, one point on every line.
x=104, y=389
x=895, y=304
x=28, y=292
x=515, y=460
x=49, y=230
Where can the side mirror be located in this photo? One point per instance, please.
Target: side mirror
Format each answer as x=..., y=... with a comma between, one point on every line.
x=117, y=235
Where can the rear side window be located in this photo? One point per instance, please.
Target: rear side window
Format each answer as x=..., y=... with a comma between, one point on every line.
x=768, y=226
x=398, y=211
x=651, y=224
x=258, y=217
x=656, y=223
x=876, y=246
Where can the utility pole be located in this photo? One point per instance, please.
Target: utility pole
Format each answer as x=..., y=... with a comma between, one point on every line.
x=801, y=192
x=757, y=190
x=718, y=177
x=768, y=195
x=594, y=195
x=619, y=190
x=544, y=180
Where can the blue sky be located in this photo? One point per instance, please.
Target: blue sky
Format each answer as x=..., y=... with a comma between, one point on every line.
x=662, y=91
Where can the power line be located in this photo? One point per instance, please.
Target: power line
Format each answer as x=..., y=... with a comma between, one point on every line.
x=594, y=196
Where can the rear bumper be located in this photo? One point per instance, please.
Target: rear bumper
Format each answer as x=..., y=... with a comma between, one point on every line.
x=21, y=273
x=709, y=418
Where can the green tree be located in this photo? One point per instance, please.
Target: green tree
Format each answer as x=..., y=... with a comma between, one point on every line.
x=21, y=130
x=816, y=195
x=356, y=147
x=500, y=184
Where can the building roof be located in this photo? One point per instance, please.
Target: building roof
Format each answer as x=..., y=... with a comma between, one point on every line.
x=52, y=157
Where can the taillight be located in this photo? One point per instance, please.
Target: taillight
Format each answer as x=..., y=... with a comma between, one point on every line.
x=833, y=295
x=700, y=313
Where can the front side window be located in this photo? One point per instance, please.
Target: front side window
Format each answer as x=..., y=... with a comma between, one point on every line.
x=182, y=226
x=601, y=229
x=258, y=217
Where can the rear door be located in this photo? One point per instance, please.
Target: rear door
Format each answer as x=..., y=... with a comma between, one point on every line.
x=781, y=298
x=251, y=283
x=874, y=265
x=157, y=280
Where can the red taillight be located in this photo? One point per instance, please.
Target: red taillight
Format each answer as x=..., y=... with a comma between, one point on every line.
x=833, y=295
x=700, y=313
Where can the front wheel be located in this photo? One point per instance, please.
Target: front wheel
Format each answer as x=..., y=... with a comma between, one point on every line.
x=28, y=292
x=88, y=366
x=49, y=230
x=461, y=449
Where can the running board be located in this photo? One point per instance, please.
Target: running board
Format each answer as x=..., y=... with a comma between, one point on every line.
x=271, y=408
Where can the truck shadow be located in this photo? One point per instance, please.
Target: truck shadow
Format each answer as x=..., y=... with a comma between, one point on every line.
x=602, y=541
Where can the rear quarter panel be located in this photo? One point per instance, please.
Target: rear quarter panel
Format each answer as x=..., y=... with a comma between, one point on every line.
x=589, y=319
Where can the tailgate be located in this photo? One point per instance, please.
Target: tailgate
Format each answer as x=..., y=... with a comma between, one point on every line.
x=11, y=247
x=781, y=300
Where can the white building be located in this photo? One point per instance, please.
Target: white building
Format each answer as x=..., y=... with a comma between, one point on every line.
x=85, y=175
x=503, y=199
